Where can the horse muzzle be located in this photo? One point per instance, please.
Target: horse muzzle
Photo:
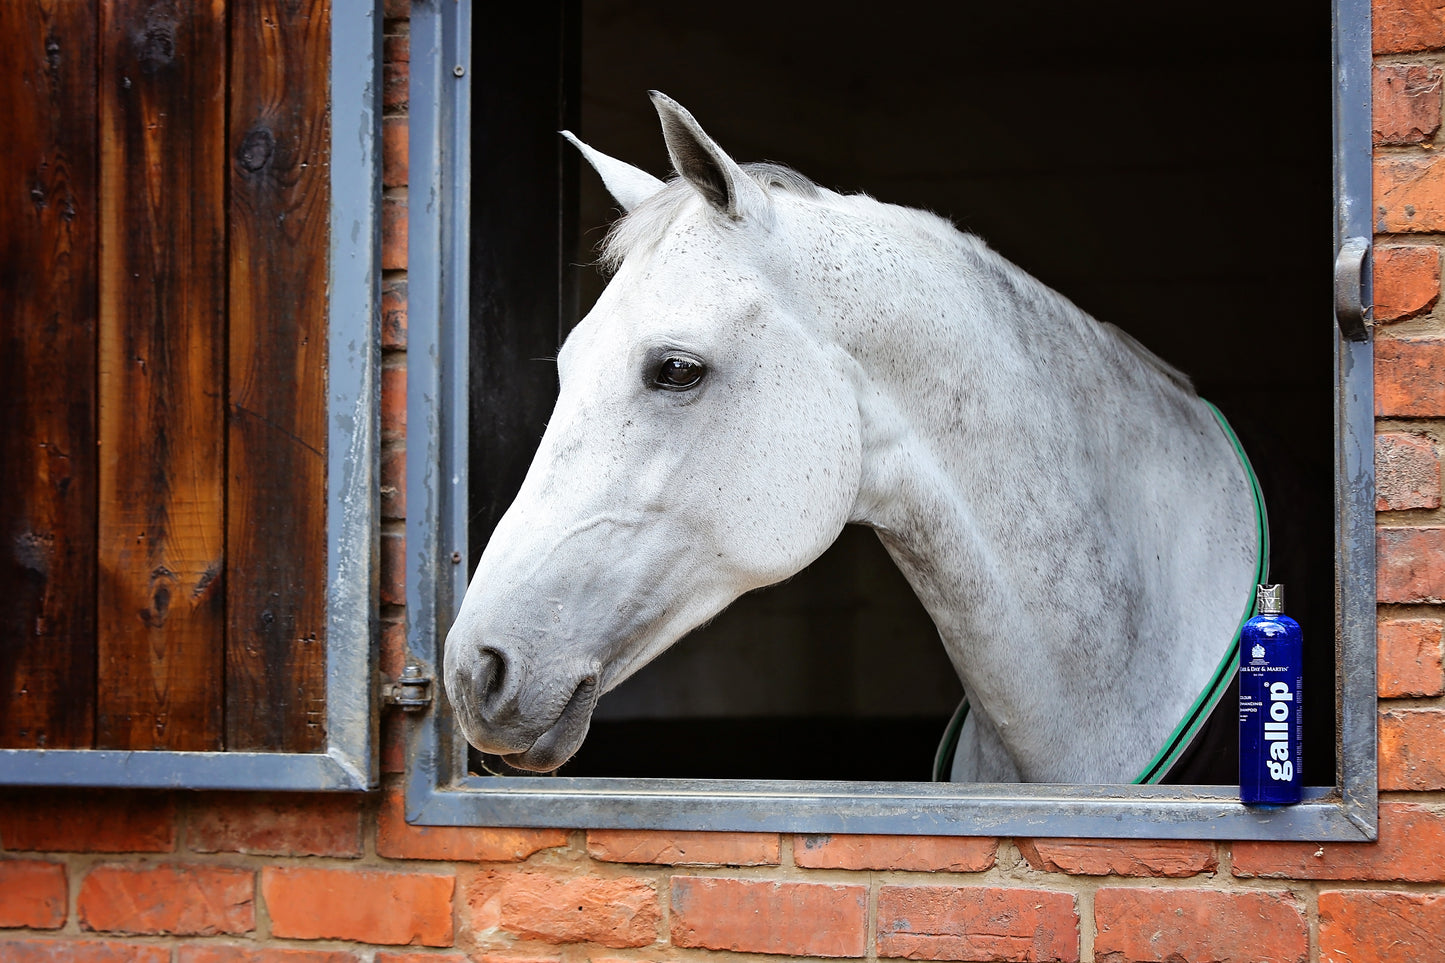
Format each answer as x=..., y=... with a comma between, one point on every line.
x=533, y=720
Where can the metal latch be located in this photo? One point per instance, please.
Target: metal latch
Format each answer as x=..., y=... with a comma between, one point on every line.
x=1350, y=307
x=410, y=693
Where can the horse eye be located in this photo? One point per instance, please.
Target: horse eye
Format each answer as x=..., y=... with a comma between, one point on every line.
x=678, y=374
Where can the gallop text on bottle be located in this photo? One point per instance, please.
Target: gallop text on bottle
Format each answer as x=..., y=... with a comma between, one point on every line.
x=1277, y=732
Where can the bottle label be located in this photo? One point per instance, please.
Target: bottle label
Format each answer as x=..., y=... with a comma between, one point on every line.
x=1270, y=706
x=1277, y=732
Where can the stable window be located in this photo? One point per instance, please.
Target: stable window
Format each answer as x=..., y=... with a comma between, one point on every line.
x=1132, y=162
x=190, y=382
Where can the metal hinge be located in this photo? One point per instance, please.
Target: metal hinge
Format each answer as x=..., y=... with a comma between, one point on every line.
x=411, y=693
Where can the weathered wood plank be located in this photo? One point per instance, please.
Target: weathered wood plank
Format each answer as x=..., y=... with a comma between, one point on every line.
x=47, y=375
x=162, y=374
x=276, y=430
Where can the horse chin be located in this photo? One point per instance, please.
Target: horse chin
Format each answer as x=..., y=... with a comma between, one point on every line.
x=563, y=738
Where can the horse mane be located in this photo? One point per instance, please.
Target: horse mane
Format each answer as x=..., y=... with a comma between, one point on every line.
x=1149, y=358
x=1010, y=274
x=644, y=227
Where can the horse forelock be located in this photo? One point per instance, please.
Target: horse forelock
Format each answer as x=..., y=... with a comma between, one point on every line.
x=646, y=225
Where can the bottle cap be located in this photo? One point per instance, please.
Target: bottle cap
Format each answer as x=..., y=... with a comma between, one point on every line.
x=1269, y=599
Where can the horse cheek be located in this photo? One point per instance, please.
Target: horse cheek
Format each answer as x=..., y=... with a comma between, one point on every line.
x=803, y=482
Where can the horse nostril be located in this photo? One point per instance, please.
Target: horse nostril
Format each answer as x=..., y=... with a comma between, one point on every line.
x=488, y=678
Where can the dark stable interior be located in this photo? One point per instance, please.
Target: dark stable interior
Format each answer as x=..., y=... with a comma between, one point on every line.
x=1166, y=167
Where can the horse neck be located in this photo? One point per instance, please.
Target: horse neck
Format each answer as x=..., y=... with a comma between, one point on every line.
x=968, y=368
x=950, y=353
x=995, y=418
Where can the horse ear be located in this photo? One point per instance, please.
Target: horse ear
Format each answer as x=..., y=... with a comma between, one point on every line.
x=715, y=175
x=628, y=185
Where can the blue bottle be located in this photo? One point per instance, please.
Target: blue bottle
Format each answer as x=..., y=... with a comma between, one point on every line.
x=1271, y=680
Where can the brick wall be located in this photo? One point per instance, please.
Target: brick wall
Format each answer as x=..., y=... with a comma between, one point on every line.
x=247, y=878
x=1409, y=405
x=263, y=878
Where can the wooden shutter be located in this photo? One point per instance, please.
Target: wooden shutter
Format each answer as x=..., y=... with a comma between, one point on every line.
x=162, y=385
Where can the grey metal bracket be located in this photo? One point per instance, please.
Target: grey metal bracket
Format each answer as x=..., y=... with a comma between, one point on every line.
x=1350, y=307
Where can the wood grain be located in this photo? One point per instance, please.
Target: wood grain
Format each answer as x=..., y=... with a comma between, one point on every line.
x=47, y=375
x=162, y=376
x=276, y=512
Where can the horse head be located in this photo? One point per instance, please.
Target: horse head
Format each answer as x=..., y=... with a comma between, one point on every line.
x=705, y=443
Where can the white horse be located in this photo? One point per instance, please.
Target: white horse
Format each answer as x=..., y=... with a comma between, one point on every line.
x=773, y=361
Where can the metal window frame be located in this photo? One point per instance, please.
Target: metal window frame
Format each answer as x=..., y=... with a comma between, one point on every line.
x=439, y=791
x=352, y=499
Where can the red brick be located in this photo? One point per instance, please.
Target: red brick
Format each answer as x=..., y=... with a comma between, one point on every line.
x=395, y=71
x=391, y=658
x=1410, y=564
x=393, y=742
x=365, y=906
x=393, y=313
x=1407, y=281
x=33, y=894
x=393, y=233
x=1412, y=749
x=396, y=153
x=393, y=402
x=1187, y=925
x=392, y=956
x=1412, y=839
x=169, y=898
x=396, y=9
x=68, y=822
x=397, y=839
x=684, y=848
x=276, y=824
x=1408, y=383
x=1405, y=26
x=392, y=575
x=1408, y=658
x=919, y=854
x=767, y=916
x=1406, y=103
x=1368, y=926
x=617, y=912
x=393, y=482
x=1119, y=857
x=83, y=951
x=214, y=953
x=1407, y=472
x=1409, y=193
x=510, y=958
x=977, y=923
